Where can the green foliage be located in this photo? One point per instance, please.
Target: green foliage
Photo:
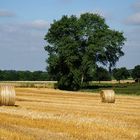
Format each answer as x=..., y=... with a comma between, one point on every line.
x=120, y=73
x=136, y=73
x=8, y=75
x=101, y=74
x=76, y=45
x=69, y=82
x=12, y=75
x=123, y=88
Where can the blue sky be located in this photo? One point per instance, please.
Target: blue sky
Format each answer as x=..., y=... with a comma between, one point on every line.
x=24, y=23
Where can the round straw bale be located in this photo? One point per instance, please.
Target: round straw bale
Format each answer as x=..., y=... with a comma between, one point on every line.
x=107, y=96
x=7, y=95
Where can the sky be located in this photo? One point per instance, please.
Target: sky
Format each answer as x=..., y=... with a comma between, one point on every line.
x=24, y=23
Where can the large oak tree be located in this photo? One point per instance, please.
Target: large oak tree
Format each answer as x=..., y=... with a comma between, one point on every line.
x=75, y=46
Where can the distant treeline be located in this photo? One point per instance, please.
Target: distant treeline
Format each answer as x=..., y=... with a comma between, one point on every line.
x=99, y=74
x=13, y=75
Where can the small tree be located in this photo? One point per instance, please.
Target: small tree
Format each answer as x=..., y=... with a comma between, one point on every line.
x=101, y=74
x=120, y=73
x=136, y=73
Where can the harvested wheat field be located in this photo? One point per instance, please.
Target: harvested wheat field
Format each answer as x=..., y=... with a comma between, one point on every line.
x=48, y=114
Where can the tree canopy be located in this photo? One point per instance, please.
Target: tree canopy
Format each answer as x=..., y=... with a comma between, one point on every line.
x=75, y=46
x=120, y=73
x=136, y=73
x=13, y=75
x=101, y=74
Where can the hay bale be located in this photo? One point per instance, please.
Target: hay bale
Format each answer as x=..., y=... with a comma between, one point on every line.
x=7, y=95
x=107, y=96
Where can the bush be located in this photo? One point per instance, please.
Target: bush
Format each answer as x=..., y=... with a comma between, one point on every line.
x=136, y=73
x=120, y=73
x=101, y=74
x=69, y=82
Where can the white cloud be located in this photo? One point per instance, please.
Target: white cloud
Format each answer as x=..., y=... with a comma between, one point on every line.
x=6, y=13
x=131, y=49
x=37, y=24
x=136, y=6
x=102, y=13
x=133, y=19
x=22, y=47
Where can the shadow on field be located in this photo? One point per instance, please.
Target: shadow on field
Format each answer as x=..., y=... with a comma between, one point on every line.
x=96, y=86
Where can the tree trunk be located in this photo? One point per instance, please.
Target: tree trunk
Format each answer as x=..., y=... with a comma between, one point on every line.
x=109, y=69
